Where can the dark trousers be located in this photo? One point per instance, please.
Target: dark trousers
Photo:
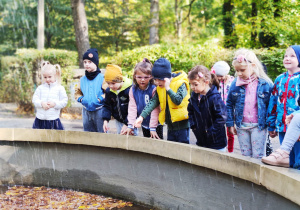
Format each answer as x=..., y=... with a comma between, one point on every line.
x=159, y=131
x=182, y=136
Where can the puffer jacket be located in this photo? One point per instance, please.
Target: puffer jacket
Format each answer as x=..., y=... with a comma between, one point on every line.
x=53, y=92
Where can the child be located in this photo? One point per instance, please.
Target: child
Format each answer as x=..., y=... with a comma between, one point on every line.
x=247, y=103
x=139, y=95
x=49, y=98
x=285, y=96
x=283, y=156
x=116, y=98
x=90, y=92
x=207, y=111
x=221, y=69
x=172, y=94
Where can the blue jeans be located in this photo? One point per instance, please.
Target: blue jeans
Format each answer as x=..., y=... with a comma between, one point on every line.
x=92, y=120
x=289, y=141
x=182, y=136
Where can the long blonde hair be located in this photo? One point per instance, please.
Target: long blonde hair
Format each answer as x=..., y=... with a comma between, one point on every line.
x=245, y=57
x=47, y=66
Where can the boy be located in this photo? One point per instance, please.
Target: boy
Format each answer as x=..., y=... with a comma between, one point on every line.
x=116, y=98
x=90, y=93
x=172, y=94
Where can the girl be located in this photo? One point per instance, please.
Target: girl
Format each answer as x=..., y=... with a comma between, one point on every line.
x=221, y=69
x=285, y=98
x=139, y=95
x=247, y=103
x=49, y=98
x=207, y=111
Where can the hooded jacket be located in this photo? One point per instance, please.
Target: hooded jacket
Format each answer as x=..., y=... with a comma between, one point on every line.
x=207, y=119
x=116, y=103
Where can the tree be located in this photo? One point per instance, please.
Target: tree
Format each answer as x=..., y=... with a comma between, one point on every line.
x=41, y=25
x=230, y=37
x=154, y=22
x=81, y=28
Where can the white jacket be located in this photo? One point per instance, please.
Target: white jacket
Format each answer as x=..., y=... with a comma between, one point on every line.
x=53, y=92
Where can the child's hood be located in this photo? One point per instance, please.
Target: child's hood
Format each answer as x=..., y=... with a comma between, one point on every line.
x=127, y=83
x=180, y=75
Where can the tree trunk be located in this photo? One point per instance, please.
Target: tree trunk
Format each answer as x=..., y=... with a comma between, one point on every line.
x=230, y=38
x=178, y=21
x=81, y=28
x=154, y=22
x=253, y=23
x=41, y=25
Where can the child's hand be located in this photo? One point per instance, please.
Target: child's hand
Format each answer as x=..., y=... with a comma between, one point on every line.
x=154, y=135
x=138, y=122
x=127, y=131
x=105, y=126
x=288, y=119
x=51, y=104
x=273, y=134
x=232, y=130
x=45, y=105
x=167, y=83
x=124, y=128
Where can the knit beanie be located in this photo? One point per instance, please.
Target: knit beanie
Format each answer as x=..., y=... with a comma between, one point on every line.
x=161, y=69
x=92, y=55
x=296, y=48
x=113, y=73
x=221, y=68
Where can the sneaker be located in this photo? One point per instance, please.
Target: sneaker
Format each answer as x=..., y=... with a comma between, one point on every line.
x=278, y=158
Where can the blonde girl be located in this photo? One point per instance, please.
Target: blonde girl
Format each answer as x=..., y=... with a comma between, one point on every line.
x=139, y=95
x=207, y=111
x=247, y=103
x=49, y=98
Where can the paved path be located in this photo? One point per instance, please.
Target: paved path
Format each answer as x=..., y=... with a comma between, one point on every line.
x=9, y=119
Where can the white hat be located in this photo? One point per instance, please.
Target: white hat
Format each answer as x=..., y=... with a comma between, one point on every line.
x=221, y=68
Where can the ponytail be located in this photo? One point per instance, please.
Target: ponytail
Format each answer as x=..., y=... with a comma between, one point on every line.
x=214, y=81
x=58, y=73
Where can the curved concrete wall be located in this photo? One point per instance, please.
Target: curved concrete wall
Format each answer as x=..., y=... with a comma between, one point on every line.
x=159, y=173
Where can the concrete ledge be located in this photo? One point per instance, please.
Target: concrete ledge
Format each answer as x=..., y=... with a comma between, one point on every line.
x=285, y=182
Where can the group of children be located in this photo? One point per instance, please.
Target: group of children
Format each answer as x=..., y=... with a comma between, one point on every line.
x=203, y=100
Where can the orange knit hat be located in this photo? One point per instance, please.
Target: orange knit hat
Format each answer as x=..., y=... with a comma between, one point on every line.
x=113, y=73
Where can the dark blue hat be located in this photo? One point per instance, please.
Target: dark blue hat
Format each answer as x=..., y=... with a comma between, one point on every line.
x=92, y=55
x=296, y=48
x=161, y=69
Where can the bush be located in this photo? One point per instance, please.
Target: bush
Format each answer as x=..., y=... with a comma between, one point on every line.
x=184, y=57
x=20, y=75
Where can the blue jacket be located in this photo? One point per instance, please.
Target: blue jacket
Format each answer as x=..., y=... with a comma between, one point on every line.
x=207, y=118
x=236, y=101
x=284, y=100
x=116, y=104
x=92, y=91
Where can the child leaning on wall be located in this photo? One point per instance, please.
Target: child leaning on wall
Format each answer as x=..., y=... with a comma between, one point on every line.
x=207, y=111
x=221, y=69
x=172, y=94
x=247, y=103
x=116, y=98
x=49, y=98
x=284, y=100
x=90, y=92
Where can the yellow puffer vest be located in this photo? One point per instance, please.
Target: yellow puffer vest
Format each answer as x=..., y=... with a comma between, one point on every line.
x=178, y=112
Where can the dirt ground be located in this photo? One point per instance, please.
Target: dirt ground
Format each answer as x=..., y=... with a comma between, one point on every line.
x=9, y=119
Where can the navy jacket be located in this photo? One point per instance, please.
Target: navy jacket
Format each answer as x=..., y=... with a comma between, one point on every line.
x=116, y=105
x=207, y=119
x=236, y=101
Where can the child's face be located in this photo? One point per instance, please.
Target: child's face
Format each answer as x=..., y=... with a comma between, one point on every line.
x=244, y=71
x=221, y=78
x=160, y=83
x=49, y=77
x=199, y=86
x=290, y=60
x=142, y=79
x=89, y=65
x=115, y=85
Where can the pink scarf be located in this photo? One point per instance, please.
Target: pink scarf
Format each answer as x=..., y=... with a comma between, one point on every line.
x=240, y=82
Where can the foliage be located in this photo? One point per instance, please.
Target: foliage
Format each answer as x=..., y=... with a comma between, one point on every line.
x=20, y=75
x=184, y=57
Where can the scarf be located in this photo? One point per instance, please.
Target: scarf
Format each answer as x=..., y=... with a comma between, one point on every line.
x=241, y=82
x=92, y=75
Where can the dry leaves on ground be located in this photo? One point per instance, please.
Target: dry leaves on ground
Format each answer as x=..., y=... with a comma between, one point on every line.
x=20, y=197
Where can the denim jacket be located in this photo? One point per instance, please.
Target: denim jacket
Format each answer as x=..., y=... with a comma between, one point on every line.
x=236, y=101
